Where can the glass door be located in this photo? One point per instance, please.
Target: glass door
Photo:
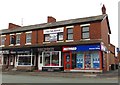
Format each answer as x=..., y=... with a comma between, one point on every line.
x=67, y=61
x=87, y=61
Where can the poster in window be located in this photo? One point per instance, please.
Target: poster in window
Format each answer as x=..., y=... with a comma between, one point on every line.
x=96, y=62
x=79, y=61
x=53, y=37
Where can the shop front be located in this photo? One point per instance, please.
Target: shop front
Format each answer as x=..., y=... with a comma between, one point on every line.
x=50, y=59
x=83, y=58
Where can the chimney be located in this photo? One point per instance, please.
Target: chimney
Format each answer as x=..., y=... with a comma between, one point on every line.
x=103, y=9
x=50, y=19
x=13, y=26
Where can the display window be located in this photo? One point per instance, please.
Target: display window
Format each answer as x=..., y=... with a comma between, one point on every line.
x=80, y=60
x=51, y=58
x=26, y=60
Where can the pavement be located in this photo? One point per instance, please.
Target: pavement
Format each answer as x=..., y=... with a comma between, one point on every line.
x=110, y=74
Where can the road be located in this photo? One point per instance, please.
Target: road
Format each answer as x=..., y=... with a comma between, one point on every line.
x=7, y=78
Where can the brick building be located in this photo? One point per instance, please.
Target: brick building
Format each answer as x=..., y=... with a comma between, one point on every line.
x=81, y=44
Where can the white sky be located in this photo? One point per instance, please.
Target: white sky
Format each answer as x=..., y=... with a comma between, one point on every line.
x=36, y=12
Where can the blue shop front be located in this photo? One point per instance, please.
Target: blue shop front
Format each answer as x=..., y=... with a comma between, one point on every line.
x=83, y=58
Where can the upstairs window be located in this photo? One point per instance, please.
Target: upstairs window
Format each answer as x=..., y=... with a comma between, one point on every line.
x=12, y=39
x=17, y=39
x=2, y=40
x=85, y=32
x=28, y=37
x=53, y=35
x=69, y=33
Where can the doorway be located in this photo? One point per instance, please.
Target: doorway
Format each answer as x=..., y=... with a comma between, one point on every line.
x=68, y=61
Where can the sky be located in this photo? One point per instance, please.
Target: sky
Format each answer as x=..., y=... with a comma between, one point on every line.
x=30, y=12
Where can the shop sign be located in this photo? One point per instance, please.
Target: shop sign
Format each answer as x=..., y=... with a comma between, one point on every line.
x=82, y=48
x=4, y=52
x=23, y=51
x=52, y=31
x=46, y=49
x=69, y=48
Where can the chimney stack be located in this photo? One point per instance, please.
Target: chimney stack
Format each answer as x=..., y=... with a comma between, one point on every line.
x=50, y=19
x=12, y=26
x=103, y=9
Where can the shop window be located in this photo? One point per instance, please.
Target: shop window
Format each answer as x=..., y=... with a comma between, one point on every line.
x=69, y=33
x=12, y=39
x=17, y=39
x=80, y=60
x=26, y=60
x=85, y=32
x=51, y=58
x=95, y=60
x=2, y=40
x=87, y=60
x=28, y=38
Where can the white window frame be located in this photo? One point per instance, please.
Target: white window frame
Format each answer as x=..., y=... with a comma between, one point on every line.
x=4, y=40
x=30, y=32
x=30, y=57
x=60, y=56
x=16, y=38
x=10, y=40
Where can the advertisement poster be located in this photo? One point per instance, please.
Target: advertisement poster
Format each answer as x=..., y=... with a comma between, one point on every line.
x=96, y=62
x=79, y=61
x=53, y=37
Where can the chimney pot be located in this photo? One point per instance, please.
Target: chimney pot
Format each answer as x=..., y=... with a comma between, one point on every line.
x=103, y=9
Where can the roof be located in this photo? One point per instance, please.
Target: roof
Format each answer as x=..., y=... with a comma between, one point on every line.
x=56, y=24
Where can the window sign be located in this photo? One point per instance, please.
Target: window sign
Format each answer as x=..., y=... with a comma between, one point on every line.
x=53, y=31
x=95, y=60
x=53, y=37
x=79, y=60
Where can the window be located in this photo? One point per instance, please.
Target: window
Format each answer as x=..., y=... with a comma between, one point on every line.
x=60, y=36
x=12, y=39
x=28, y=38
x=85, y=32
x=51, y=58
x=17, y=39
x=26, y=60
x=70, y=34
x=46, y=37
x=2, y=40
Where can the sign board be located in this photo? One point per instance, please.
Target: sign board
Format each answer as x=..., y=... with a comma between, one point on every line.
x=53, y=31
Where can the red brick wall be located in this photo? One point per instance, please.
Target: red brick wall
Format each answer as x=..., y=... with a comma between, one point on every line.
x=104, y=32
x=7, y=41
x=40, y=36
x=95, y=30
x=34, y=37
x=22, y=39
x=77, y=32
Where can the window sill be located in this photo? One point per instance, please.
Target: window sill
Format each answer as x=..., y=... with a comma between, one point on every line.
x=2, y=46
x=17, y=45
x=69, y=40
x=84, y=39
x=60, y=41
x=28, y=44
x=46, y=42
x=11, y=45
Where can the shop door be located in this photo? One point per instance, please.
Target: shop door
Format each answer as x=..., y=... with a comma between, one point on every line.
x=87, y=61
x=40, y=64
x=67, y=61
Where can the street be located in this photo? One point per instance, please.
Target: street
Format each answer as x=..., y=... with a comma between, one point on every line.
x=6, y=78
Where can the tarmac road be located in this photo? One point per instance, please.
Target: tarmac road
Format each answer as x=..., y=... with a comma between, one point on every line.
x=6, y=78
